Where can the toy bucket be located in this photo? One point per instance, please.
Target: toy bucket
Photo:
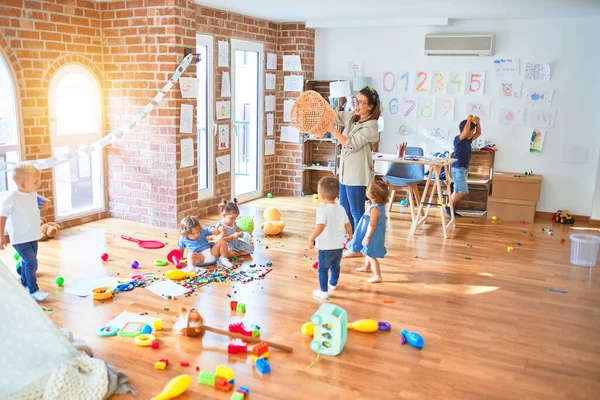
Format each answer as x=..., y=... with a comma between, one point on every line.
x=584, y=249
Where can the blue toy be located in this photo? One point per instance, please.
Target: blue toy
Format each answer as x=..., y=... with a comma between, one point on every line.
x=413, y=338
x=330, y=329
x=262, y=365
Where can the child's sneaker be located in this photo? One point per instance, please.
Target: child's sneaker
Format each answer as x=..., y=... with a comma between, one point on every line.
x=39, y=296
x=319, y=294
x=225, y=262
x=331, y=287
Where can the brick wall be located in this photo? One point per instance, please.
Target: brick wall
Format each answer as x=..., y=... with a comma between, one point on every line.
x=38, y=37
x=132, y=47
x=293, y=39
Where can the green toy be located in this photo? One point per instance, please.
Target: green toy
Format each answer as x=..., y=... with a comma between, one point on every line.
x=207, y=378
x=330, y=329
x=246, y=224
x=269, y=195
x=60, y=281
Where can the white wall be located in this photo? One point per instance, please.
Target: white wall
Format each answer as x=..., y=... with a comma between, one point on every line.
x=570, y=45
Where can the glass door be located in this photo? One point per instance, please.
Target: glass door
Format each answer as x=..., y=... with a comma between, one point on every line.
x=206, y=146
x=247, y=137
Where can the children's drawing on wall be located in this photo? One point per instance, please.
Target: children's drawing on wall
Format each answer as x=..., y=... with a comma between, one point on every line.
x=407, y=130
x=223, y=137
x=512, y=116
x=225, y=85
x=541, y=118
x=422, y=82
x=189, y=87
x=510, y=88
x=223, y=110
x=271, y=61
x=475, y=83
x=427, y=107
x=479, y=109
x=292, y=63
x=270, y=103
x=456, y=84
x=537, y=141
x=445, y=108
x=409, y=108
x=439, y=84
x=573, y=153
x=270, y=81
x=506, y=67
x=537, y=72
x=436, y=134
x=270, y=124
x=539, y=98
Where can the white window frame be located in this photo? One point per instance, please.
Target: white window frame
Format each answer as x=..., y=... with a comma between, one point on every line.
x=18, y=147
x=209, y=192
x=76, y=140
x=237, y=44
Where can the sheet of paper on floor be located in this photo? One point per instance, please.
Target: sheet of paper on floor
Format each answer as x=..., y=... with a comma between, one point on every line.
x=84, y=287
x=126, y=316
x=167, y=288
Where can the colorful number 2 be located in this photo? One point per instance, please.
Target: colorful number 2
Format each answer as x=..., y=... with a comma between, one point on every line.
x=420, y=86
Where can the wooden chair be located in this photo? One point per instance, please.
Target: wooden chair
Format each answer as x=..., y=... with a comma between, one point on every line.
x=406, y=177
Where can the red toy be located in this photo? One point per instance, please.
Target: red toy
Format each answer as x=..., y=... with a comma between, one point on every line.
x=104, y=257
x=222, y=385
x=174, y=256
x=260, y=349
x=155, y=345
x=239, y=327
x=237, y=347
x=316, y=265
x=184, y=364
x=145, y=244
x=233, y=305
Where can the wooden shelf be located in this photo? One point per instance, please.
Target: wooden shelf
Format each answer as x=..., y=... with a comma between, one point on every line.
x=318, y=168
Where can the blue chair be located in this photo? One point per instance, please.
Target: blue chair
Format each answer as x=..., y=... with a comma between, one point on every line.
x=406, y=177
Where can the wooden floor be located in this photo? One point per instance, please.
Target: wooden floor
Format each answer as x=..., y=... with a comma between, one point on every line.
x=492, y=328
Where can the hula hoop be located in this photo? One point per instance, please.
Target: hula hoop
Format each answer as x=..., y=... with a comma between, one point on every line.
x=144, y=340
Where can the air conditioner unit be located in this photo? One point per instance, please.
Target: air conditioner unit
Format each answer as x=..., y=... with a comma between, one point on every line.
x=459, y=45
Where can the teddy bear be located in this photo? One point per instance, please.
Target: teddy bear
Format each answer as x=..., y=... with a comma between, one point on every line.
x=272, y=225
x=189, y=323
x=49, y=229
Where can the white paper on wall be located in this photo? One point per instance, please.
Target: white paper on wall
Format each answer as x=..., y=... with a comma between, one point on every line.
x=186, y=118
x=504, y=67
x=270, y=80
x=187, y=153
x=223, y=137
x=510, y=87
x=269, y=147
x=479, y=109
x=223, y=110
x=475, y=83
x=189, y=87
x=511, y=116
x=287, y=109
x=456, y=83
x=439, y=84
x=541, y=118
x=269, y=103
x=271, y=61
x=445, y=108
x=293, y=83
x=574, y=154
x=225, y=85
x=223, y=164
x=292, y=63
x=223, y=54
x=537, y=71
x=290, y=134
x=427, y=107
x=270, y=124
x=539, y=98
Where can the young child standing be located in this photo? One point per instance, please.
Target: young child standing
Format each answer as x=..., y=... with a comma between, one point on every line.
x=371, y=230
x=230, y=232
x=470, y=129
x=21, y=211
x=194, y=239
x=332, y=226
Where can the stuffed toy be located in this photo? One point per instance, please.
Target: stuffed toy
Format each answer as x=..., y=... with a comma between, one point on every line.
x=563, y=217
x=246, y=224
x=49, y=229
x=189, y=323
x=272, y=225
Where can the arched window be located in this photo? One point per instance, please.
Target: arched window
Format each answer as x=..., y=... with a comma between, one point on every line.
x=9, y=125
x=75, y=122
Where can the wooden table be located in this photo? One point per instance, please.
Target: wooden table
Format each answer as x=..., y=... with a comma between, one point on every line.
x=436, y=166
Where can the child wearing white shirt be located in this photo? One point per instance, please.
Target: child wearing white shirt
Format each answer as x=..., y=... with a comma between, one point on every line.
x=21, y=211
x=330, y=235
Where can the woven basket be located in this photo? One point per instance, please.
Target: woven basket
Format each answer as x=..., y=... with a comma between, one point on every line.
x=312, y=114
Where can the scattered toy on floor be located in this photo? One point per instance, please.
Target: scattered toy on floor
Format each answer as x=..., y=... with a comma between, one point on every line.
x=246, y=224
x=563, y=217
x=412, y=338
x=174, y=257
x=49, y=229
x=262, y=366
x=135, y=264
x=175, y=387
x=104, y=257
x=330, y=326
x=269, y=195
x=509, y=249
x=59, y=281
x=273, y=224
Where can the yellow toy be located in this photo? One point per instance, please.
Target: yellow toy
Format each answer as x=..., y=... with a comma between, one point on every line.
x=144, y=340
x=102, y=293
x=160, y=365
x=175, y=387
x=177, y=274
x=362, y=325
x=272, y=225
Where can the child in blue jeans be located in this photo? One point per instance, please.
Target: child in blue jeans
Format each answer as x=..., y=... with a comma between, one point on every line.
x=21, y=211
x=370, y=232
x=332, y=226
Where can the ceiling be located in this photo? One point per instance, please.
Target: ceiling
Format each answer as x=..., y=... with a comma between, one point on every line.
x=339, y=10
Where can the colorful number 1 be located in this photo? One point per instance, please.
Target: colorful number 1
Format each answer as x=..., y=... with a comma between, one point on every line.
x=405, y=77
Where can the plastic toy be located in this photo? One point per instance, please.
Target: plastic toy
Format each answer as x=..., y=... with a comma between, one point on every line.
x=364, y=325
x=316, y=265
x=184, y=364
x=233, y=305
x=155, y=345
x=175, y=387
x=384, y=326
x=102, y=293
x=412, y=338
x=222, y=385
x=315, y=196
x=263, y=366
x=240, y=328
x=104, y=257
x=145, y=244
x=237, y=396
x=261, y=350
x=563, y=217
x=269, y=195
x=510, y=249
x=246, y=224
x=494, y=218
x=160, y=365
x=207, y=378
x=144, y=340
x=135, y=264
x=174, y=257
x=237, y=346
x=107, y=331
x=161, y=263
x=225, y=372
x=133, y=329
x=272, y=225
x=241, y=308
x=157, y=325
x=59, y=281
x=330, y=329
x=177, y=274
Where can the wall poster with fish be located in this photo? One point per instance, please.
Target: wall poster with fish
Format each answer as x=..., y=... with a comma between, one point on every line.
x=539, y=98
x=435, y=134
